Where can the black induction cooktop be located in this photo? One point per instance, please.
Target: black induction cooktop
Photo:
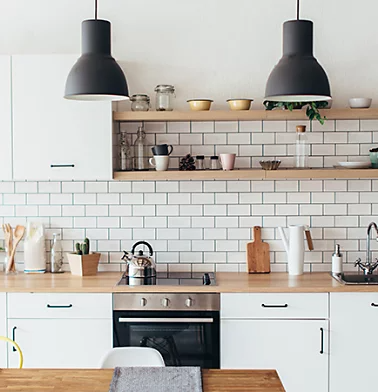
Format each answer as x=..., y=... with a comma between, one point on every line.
x=175, y=279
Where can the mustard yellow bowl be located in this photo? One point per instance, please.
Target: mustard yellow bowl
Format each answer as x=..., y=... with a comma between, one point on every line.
x=200, y=104
x=240, y=104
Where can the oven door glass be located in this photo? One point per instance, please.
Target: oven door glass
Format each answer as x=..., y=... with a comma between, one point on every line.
x=182, y=338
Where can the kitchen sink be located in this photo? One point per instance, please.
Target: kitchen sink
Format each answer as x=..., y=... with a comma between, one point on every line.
x=351, y=278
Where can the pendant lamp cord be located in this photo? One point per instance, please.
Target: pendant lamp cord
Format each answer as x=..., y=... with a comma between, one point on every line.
x=297, y=9
x=96, y=7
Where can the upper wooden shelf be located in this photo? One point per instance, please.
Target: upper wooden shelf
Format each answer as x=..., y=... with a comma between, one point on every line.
x=248, y=115
x=246, y=174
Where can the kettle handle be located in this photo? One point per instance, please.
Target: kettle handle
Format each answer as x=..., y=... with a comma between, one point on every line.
x=142, y=243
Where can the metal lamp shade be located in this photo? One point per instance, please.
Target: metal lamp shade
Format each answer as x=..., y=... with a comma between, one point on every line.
x=96, y=76
x=298, y=77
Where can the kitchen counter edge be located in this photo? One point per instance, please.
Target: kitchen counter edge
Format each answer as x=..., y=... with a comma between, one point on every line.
x=227, y=282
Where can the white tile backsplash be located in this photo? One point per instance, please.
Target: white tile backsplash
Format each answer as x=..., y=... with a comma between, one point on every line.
x=204, y=225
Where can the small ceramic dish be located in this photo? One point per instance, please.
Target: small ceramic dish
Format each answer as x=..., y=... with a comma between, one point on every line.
x=200, y=104
x=355, y=165
x=270, y=165
x=360, y=103
x=240, y=103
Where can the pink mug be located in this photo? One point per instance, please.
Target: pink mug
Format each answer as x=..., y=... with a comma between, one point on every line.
x=228, y=161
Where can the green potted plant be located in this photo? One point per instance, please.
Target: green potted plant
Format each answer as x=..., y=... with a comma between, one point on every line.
x=312, y=108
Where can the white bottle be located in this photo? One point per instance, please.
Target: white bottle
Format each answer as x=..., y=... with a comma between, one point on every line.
x=301, y=148
x=337, y=261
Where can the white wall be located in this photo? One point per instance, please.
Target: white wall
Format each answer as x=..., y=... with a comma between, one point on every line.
x=206, y=48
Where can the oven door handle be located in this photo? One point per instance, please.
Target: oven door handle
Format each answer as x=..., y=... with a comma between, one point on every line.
x=164, y=320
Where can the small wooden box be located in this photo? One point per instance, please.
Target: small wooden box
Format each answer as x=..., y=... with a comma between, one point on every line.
x=84, y=265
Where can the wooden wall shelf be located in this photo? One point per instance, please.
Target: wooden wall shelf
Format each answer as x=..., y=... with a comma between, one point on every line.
x=250, y=115
x=247, y=174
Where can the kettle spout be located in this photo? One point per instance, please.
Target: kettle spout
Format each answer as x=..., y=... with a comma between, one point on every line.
x=284, y=239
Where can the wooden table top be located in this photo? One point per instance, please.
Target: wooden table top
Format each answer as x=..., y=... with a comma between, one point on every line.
x=98, y=380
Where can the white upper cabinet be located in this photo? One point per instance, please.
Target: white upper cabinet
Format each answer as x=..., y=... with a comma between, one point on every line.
x=55, y=138
x=5, y=119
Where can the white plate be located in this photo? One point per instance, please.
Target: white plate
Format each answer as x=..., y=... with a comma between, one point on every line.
x=355, y=165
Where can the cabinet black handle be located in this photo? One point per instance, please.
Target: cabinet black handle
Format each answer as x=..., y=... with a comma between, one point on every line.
x=71, y=165
x=14, y=337
x=321, y=341
x=274, y=306
x=59, y=306
x=375, y=305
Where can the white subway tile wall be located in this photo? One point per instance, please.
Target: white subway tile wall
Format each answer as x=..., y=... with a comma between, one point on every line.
x=205, y=225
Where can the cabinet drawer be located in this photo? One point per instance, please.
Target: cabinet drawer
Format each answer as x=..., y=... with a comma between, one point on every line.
x=265, y=306
x=34, y=306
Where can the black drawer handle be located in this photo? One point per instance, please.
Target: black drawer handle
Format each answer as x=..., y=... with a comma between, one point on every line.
x=274, y=306
x=71, y=165
x=14, y=337
x=59, y=306
x=321, y=341
x=374, y=305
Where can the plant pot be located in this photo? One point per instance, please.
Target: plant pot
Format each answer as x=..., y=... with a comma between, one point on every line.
x=84, y=265
x=374, y=160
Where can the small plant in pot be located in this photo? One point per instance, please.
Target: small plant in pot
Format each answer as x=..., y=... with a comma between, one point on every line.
x=82, y=261
x=312, y=108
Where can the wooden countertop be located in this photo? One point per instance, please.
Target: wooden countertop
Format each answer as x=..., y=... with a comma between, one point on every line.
x=227, y=282
x=26, y=380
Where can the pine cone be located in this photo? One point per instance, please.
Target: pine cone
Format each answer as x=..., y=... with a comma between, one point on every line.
x=187, y=163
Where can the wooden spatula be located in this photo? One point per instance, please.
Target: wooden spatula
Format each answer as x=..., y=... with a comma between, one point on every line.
x=18, y=234
x=258, y=256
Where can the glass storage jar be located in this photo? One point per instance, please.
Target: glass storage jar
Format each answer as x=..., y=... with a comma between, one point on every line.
x=126, y=153
x=140, y=151
x=165, y=95
x=214, y=163
x=140, y=103
x=200, y=162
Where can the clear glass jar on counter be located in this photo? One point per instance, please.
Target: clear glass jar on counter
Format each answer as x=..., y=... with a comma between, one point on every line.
x=140, y=103
x=214, y=163
x=165, y=95
x=200, y=162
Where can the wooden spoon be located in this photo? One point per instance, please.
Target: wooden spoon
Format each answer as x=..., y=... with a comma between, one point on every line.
x=8, y=237
x=18, y=234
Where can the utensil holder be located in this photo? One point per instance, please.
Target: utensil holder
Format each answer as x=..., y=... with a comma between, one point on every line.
x=84, y=265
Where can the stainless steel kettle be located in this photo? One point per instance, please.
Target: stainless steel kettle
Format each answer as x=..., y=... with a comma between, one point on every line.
x=140, y=269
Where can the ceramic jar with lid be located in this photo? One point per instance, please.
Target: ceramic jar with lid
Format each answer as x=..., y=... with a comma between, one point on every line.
x=140, y=103
x=165, y=95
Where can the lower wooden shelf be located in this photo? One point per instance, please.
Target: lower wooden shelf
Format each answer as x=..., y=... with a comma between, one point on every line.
x=246, y=174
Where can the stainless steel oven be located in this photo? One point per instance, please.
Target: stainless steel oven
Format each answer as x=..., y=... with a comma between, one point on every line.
x=184, y=328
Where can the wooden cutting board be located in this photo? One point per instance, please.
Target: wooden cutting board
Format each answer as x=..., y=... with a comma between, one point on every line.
x=258, y=256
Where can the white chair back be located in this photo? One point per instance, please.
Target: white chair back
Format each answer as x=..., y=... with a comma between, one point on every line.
x=132, y=357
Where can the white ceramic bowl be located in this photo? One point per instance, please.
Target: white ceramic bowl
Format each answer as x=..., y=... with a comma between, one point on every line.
x=360, y=103
x=200, y=104
x=240, y=103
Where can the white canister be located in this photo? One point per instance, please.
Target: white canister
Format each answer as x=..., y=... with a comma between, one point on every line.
x=34, y=249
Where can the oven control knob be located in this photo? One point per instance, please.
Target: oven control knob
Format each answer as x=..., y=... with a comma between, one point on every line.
x=165, y=302
x=189, y=302
x=143, y=302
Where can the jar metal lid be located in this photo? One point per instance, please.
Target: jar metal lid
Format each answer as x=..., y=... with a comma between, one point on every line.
x=200, y=157
x=214, y=157
x=140, y=97
x=301, y=128
x=165, y=88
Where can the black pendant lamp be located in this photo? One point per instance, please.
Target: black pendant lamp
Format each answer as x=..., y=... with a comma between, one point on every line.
x=298, y=77
x=96, y=76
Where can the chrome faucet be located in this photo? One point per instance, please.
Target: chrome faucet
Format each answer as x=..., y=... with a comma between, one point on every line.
x=368, y=267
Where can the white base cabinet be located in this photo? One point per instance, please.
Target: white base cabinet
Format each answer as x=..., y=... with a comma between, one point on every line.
x=286, y=332
x=292, y=347
x=57, y=330
x=3, y=330
x=354, y=346
x=60, y=343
